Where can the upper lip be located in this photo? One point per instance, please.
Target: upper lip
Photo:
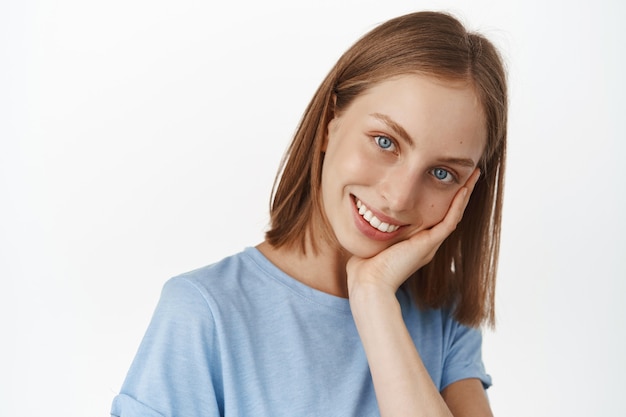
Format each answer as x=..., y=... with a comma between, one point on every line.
x=379, y=215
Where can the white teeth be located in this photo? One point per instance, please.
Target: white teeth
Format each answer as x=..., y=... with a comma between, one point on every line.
x=373, y=220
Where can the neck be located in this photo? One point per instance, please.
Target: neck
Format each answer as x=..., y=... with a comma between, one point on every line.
x=323, y=270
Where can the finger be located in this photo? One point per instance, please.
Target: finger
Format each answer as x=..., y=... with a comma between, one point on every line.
x=457, y=207
x=472, y=180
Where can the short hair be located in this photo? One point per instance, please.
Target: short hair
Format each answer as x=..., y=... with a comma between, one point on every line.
x=462, y=273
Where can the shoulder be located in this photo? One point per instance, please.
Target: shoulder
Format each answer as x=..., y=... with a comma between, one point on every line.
x=216, y=279
x=194, y=307
x=222, y=286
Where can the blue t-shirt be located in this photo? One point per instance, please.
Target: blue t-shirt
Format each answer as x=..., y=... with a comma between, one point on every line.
x=242, y=338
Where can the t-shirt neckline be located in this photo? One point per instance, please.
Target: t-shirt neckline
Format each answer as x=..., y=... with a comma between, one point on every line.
x=301, y=289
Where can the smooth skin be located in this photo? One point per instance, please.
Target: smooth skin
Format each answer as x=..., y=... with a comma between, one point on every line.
x=407, y=148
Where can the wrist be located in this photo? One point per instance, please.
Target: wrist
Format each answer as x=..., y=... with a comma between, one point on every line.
x=373, y=300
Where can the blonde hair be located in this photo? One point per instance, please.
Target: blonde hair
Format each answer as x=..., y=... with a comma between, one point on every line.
x=462, y=274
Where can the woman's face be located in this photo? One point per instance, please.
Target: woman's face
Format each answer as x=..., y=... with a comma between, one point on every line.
x=395, y=158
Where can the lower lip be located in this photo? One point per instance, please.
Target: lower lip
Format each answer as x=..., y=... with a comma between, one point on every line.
x=367, y=229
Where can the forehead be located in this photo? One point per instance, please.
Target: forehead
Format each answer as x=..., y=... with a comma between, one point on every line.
x=410, y=89
x=426, y=107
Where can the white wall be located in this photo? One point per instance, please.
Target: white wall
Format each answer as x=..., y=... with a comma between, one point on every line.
x=139, y=139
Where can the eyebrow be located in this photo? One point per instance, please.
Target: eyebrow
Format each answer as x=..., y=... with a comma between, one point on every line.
x=466, y=162
x=399, y=130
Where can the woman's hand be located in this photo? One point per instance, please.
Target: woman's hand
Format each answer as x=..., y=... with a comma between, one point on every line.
x=391, y=267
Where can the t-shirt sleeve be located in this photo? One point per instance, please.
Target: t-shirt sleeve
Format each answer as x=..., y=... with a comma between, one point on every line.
x=176, y=371
x=464, y=356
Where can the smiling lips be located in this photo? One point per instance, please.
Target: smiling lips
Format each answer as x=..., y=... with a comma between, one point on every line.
x=374, y=221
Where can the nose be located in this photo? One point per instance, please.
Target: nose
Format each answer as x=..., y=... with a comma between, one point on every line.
x=400, y=189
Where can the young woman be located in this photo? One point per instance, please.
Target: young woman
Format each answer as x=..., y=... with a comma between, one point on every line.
x=380, y=260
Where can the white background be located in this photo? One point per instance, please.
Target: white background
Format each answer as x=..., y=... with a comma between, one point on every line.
x=139, y=139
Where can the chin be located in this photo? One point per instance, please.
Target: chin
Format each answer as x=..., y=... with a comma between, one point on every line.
x=364, y=250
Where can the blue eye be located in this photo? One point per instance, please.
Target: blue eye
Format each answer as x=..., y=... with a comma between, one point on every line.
x=442, y=175
x=383, y=142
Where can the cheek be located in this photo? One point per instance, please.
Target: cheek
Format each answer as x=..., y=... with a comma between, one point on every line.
x=435, y=209
x=347, y=162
